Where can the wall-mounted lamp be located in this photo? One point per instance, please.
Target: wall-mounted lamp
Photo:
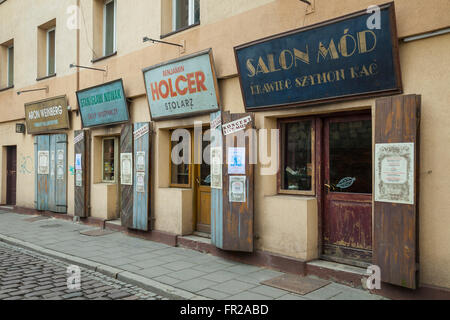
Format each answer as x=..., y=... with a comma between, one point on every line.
x=20, y=128
x=32, y=90
x=83, y=67
x=145, y=39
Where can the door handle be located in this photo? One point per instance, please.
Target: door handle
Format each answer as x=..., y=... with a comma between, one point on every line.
x=197, y=180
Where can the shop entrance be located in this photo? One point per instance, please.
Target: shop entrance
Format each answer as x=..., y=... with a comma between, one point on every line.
x=347, y=205
x=203, y=192
x=11, y=175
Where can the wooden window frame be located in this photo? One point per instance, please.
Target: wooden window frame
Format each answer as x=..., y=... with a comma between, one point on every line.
x=190, y=175
x=116, y=146
x=9, y=81
x=191, y=16
x=48, y=52
x=105, y=3
x=280, y=190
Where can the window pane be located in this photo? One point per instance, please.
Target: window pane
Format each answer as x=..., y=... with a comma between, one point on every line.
x=351, y=156
x=51, y=52
x=10, y=66
x=205, y=169
x=180, y=172
x=108, y=160
x=197, y=11
x=181, y=11
x=109, y=28
x=297, y=157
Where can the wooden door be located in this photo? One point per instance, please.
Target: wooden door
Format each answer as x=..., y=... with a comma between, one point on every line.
x=42, y=169
x=11, y=173
x=82, y=172
x=203, y=191
x=126, y=178
x=347, y=216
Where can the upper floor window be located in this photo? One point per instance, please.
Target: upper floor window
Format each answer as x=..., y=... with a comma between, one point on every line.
x=46, y=39
x=7, y=64
x=10, y=63
x=109, y=27
x=51, y=52
x=185, y=13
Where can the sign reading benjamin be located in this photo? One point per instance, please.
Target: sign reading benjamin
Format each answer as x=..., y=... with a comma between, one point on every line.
x=47, y=115
x=103, y=105
x=339, y=59
x=182, y=87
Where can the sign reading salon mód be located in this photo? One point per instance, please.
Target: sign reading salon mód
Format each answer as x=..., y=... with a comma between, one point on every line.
x=47, y=115
x=182, y=87
x=103, y=105
x=334, y=60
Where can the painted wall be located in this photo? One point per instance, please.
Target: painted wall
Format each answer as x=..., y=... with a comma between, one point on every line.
x=284, y=225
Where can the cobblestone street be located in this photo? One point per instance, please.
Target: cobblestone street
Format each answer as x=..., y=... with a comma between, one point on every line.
x=26, y=275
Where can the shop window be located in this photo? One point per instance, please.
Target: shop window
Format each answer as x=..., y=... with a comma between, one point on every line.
x=109, y=152
x=180, y=174
x=297, y=157
x=47, y=50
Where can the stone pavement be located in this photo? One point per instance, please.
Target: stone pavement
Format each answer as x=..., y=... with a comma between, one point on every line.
x=182, y=273
x=27, y=275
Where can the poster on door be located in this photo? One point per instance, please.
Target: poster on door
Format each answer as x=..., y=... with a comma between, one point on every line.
x=126, y=174
x=79, y=178
x=237, y=188
x=43, y=162
x=78, y=161
x=394, y=173
x=236, y=160
x=140, y=161
x=216, y=167
x=140, y=182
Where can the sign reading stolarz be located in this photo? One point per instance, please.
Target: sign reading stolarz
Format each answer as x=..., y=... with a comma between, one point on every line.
x=47, y=115
x=182, y=87
x=103, y=105
x=335, y=60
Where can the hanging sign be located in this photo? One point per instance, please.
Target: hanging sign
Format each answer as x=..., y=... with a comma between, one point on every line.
x=43, y=162
x=126, y=173
x=394, y=173
x=140, y=132
x=235, y=126
x=236, y=160
x=338, y=59
x=182, y=87
x=237, y=188
x=103, y=105
x=216, y=167
x=140, y=182
x=47, y=115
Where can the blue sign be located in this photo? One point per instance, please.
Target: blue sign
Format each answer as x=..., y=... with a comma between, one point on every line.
x=103, y=105
x=339, y=59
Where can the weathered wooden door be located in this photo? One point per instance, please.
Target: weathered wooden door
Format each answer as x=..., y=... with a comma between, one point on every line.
x=135, y=166
x=232, y=206
x=203, y=191
x=347, y=214
x=11, y=173
x=396, y=249
x=42, y=168
x=82, y=172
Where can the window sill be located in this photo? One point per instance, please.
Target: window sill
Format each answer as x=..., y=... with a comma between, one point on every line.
x=104, y=57
x=46, y=77
x=6, y=88
x=179, y=30
x=290, y=196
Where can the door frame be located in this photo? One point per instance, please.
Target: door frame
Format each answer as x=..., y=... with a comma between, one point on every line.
x=8, y=148
x=197, y=201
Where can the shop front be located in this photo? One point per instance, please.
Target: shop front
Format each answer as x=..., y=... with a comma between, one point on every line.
x=46, y=120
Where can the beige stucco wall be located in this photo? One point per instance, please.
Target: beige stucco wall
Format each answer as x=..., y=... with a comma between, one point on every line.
x=283, y=224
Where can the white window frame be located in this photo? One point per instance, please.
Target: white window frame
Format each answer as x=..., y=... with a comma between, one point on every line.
x=8, y=57
x=191, y=15
x=104, y=26
x=116, y=153
x=48, y=51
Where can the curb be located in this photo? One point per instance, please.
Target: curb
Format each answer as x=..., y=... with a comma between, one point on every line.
x=119, y=274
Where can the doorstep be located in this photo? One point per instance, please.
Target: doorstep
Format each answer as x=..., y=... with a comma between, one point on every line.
x=337, y=272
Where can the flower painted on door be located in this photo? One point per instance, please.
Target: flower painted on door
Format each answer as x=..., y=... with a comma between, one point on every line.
x=346, y=183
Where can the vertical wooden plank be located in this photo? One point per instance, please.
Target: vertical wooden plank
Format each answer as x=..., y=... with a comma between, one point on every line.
x=42, y=143
x=141, y=203
x=395, y=248
x=82, y=193
x=238, y=217
x=51, y=178
x=126, y=191
x=61, y=173
x=217, y=194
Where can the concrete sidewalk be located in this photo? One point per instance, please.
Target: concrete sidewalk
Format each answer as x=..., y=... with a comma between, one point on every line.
x=179, y=272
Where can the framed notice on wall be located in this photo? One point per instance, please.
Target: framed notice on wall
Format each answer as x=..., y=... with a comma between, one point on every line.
x=394, y=172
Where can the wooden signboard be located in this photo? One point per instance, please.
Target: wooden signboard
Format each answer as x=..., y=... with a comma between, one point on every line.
x=395, y=247
x=47, y=115
x=232, y=206
x=82, y=144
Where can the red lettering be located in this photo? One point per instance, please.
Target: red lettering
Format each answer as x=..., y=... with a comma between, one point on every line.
x=191, y=82
x=200, y=79
x=172, y=93
x=155, y=90
x=166, y=93
x=177, y=85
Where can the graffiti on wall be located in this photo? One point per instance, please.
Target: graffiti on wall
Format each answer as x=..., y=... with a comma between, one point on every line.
x=25, y=164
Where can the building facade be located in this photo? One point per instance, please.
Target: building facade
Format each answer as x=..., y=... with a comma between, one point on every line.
x=104, y=106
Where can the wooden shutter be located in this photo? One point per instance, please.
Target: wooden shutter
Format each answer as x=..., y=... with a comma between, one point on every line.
x=395, y=248
x=126, y=191
x=60, y=170
x=41, y=144
x=233, y=228
x=82, y=192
